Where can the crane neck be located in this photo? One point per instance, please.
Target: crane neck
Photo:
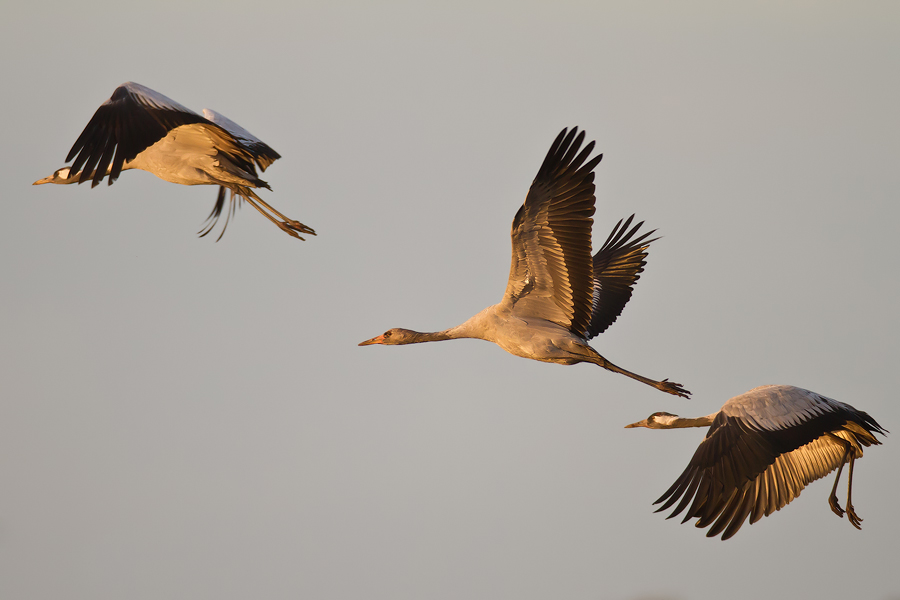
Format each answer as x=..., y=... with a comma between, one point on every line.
x=679, y=422
x=417, y=337
x=465, y=330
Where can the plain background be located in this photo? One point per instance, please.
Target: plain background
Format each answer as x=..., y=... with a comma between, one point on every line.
x=189, y=419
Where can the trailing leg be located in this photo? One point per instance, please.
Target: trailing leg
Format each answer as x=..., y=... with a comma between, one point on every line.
x=665, y=385
x=832, y=499
x=854, y=519
x=289, y=226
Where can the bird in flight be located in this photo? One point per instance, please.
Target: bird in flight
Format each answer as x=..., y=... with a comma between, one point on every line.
x=762, y=448
x=138, y=128
x=558, y=296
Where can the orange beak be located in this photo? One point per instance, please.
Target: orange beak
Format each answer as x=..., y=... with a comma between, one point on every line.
x=375, y=340
x=638, y=424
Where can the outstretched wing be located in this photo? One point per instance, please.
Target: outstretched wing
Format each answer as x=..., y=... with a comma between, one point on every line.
x=752, y=465
x=262, y=153
x=551, y=275
x=133, y=119
x=617, y=266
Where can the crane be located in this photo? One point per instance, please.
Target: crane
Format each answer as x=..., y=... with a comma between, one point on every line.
x=138, y=128
x=558, y=296
x=762, y=448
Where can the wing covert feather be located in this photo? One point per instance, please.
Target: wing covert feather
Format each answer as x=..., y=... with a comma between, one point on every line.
x=262, y=153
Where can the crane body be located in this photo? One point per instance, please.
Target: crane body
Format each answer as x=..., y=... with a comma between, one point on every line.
x=762, y=448
x=558, y=296
x=138, y=128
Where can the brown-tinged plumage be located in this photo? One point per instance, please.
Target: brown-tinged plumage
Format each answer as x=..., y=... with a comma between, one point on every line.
x=558, y=296
x=138, y=128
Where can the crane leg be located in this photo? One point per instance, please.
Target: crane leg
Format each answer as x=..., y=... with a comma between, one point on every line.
x=854, y=519
x=665, y=385
x=290, y=223
x=832, y=499
x=289, y=226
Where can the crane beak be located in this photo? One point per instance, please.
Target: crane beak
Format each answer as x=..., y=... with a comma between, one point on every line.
x=638, y=424
x=47, y=179
x=375, y=340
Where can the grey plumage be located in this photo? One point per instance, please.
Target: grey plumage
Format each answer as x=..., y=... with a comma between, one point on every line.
x=762, y=448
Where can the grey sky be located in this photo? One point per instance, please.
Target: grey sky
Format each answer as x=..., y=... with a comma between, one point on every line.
x=185, y=419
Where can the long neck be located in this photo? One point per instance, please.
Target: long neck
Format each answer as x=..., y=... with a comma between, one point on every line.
x=466, y=330
x=678, y=422
x=417, y=337
x=478, y=327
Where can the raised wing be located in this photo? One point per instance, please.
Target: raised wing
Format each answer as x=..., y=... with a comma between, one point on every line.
x=617, y=266
x=745, y=468
x=262, y=153
x=551, y=274
x=133, y=119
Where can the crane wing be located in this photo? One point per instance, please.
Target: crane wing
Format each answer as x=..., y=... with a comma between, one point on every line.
x=617, y=266
x=746, y=467
x=551, y=276
x=261, y=152
x=133, y=119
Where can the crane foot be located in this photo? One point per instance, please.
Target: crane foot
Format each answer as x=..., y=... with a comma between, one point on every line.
x=670, y=387
x=292, y=228
x=835, y=507
x=298, y=226
x=854, y=519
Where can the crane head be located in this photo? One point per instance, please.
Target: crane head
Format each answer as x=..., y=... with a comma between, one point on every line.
x=394, y=337
x=60, y=176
